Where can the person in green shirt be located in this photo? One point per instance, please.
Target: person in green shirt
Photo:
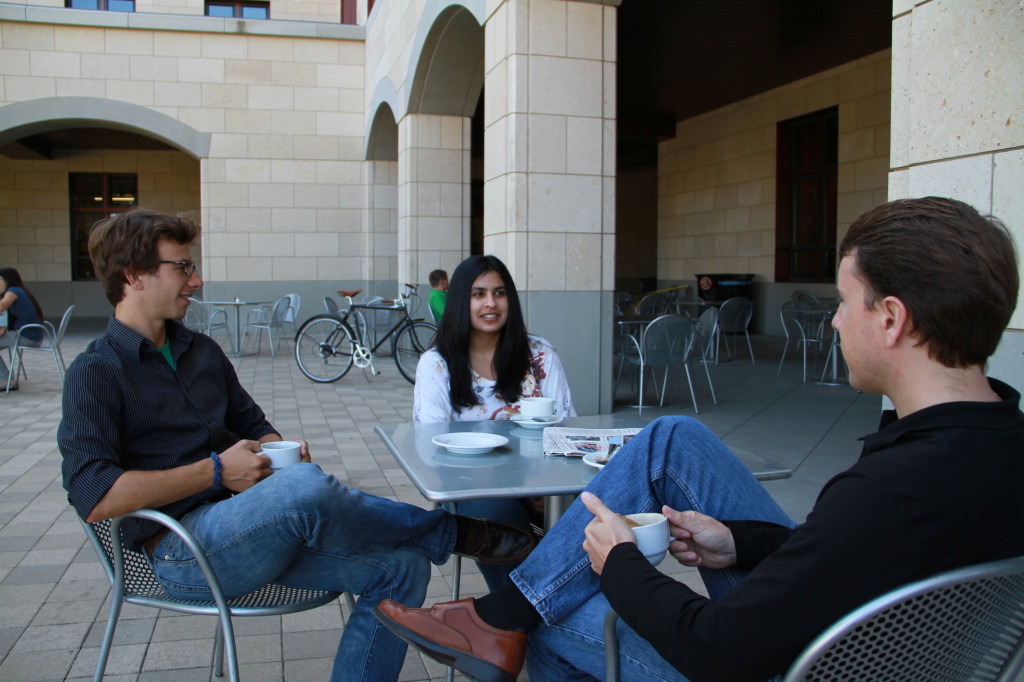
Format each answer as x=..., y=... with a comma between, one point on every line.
x=439, y=294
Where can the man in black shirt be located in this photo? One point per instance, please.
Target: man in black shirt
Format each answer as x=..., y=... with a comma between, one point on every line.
x=926, y=288
x=154, y=417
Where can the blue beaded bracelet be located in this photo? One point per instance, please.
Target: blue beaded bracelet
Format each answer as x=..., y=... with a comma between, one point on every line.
x=218, y=469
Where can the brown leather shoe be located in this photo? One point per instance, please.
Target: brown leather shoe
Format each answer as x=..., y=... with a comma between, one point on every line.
x=451, y=633
x=490, y=542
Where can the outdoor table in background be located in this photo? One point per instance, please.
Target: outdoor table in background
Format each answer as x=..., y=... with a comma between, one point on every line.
x=237, y=304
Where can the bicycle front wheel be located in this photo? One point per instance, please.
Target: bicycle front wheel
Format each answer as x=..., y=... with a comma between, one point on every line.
x=323, y=348
x=409, y=346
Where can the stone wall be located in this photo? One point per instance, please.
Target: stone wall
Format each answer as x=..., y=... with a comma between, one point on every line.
x=716, y=193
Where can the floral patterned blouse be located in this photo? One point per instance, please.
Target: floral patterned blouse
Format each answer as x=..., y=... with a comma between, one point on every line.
x=545, y=378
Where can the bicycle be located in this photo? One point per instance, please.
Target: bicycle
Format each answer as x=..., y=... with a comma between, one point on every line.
x=327, y=345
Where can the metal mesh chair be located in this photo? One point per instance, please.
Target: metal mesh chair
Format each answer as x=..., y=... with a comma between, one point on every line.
x=50, y=343
x=964, y=625
x=206, y=319
x=658, y=303
x=796, y=322
x=624, y=303
x=668, y=340
x=734, y=318
x=291, y=315
x=332, y=306
x=271, y=321
x=132, y=582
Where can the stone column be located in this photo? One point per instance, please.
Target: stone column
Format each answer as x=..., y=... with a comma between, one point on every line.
x=972, y=148
x=433, y=194
x=381, y=224
x=549, y=173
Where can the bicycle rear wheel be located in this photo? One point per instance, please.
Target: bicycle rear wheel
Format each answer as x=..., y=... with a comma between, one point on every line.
x=410, y=344
x=323, y=348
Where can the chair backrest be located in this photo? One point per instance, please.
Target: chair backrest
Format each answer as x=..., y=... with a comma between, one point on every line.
x=694, y=308
x=139, y=579
x=704, y=332
x=624, y=303
x=659, y=303
x=964, y=624
x=332, y=306
x=197, y=318
x=63, y=325
x=294, y=303
x=735, y=314
x=791, y=315
x=667, y=340
x=279, y=313
x=808, y=299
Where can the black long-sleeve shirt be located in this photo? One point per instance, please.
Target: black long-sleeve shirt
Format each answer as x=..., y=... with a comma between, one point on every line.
x=124, y=408
x=936, y=490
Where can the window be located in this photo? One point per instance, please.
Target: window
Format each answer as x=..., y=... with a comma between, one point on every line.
x=93, y=197
x=805, y=206
x=105, y=5
x=242, y=9
x=348, y=11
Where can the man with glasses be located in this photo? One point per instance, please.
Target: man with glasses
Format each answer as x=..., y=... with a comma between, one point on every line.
x=154, y=417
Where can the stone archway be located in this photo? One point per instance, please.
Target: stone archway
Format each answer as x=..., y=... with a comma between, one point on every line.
x=446, y=75
x=36, y=116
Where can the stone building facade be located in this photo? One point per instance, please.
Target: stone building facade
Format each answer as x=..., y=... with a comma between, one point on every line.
x=320, y=155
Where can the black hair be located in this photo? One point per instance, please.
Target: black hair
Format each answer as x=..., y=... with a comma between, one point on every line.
x=13, y=279
x=512, y=356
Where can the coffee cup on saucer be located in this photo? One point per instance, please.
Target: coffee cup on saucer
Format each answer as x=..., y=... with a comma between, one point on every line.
x=537, y=408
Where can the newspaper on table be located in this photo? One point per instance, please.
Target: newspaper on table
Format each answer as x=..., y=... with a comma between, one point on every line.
x=570, y=442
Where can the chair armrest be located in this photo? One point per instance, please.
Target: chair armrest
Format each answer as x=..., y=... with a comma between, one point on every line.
x=174, y=526
x=626, y=338
x=257, y=316
x=611, y=647
x=45, y=326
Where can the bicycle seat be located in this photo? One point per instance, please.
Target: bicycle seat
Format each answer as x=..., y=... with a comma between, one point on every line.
x=352, y=293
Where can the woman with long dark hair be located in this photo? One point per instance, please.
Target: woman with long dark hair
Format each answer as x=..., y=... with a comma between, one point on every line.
x=482, y=365
x=22, y=308
x=484, y=361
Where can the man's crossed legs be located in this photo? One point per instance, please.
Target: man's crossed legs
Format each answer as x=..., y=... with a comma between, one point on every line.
x=675, y=461
x=304, y=529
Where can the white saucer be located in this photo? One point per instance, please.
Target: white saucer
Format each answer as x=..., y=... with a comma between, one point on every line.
x=469, y=442
x=531, y=423
x=590, y=459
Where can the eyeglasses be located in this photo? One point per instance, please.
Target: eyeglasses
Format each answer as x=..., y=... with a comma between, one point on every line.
x=185, y=267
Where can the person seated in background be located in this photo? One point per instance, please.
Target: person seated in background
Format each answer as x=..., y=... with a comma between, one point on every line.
x=21, y=308
x=154, y=417
x=926, y=289
x=481, y=365
x=438, y=293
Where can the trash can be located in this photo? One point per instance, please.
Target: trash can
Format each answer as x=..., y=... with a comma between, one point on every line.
x=722, y=286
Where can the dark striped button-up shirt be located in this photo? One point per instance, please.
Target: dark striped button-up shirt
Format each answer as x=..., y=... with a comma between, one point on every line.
x=126, y=409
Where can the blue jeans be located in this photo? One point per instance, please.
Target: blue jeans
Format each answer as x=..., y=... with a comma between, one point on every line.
x=675, y=461
x=304, y=529
x=7, y=341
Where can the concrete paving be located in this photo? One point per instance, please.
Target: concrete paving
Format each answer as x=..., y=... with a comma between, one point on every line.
x=53, y=592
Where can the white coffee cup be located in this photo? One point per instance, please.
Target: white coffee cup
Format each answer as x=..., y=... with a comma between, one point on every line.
x=537, y=407
x=282, y=453
x=651, y=535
